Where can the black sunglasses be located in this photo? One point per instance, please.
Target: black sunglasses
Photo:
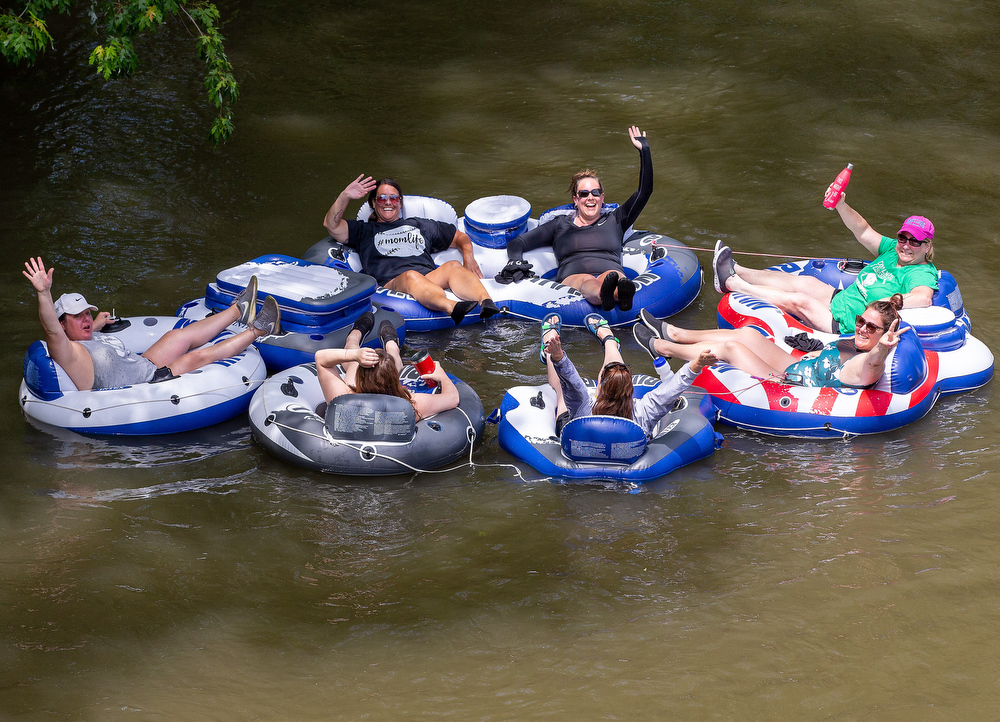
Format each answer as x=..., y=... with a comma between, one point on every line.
x=596, y=192
x=912, y=242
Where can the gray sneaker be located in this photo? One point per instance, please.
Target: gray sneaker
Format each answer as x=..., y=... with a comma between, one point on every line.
x=724, y=265
x=645, y=336
x=246, y=301
x=269, y=318
x=654, y=324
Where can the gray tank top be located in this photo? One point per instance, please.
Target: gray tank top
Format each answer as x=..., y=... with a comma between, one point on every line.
x=114, y=365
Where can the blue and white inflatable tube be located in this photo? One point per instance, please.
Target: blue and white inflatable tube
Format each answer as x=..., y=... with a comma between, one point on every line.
x=605, y=447
x=361, y=434
x=964, y=362
x=667, y=273
x=318, y=306
x=214, y=393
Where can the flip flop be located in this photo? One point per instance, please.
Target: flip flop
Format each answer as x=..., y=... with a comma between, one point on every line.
x=546, y=327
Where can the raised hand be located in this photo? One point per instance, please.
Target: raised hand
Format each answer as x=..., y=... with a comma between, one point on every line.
x=35, y=272
x=634, y=134
x=360, y=187
x=367, y=357
x=890, y=338
x=553, y=347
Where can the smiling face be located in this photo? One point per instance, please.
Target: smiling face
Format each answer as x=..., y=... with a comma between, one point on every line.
x=588, y=207
x=78, y=326
x=388, y=203
x=867, y=333
x=909, y=254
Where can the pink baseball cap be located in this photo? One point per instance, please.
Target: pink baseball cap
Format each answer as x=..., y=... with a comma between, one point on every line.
x=919, y=227
x=72, y=303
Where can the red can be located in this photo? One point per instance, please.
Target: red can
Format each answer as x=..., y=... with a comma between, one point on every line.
x=424, y=364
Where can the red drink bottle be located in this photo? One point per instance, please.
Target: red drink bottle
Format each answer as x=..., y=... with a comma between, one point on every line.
x=424, y=364
x=836, y=189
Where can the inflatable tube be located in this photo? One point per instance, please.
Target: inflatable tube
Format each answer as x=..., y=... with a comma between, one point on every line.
x=291, y=348
x=318, y=306
x=605, y=447
x=360, y=434
x=906, y=392
x=199, y=398
x=965, y=363
x=668, y=278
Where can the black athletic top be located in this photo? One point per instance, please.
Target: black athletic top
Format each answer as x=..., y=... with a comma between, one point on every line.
x=389, y=249
x=595, y=248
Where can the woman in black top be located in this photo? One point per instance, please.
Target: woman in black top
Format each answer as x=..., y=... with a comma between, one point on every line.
x=588, y=243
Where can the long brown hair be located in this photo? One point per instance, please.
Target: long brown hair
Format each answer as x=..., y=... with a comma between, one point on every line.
x=382, y=378
x=614, y=392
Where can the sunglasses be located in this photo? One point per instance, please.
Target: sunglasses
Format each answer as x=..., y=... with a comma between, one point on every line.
x=912, y=242
x=596, y=192
x=387, y=197
x=861, y=323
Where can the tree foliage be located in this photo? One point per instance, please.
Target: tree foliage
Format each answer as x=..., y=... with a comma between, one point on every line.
x=24, y=36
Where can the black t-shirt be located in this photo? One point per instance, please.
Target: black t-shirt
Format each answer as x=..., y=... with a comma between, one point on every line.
x=389, y=249
x=595, y=248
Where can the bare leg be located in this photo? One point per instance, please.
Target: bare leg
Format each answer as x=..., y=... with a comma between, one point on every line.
x=429, y=290
x=462, y=282
x=814, y=311
x=216, y=352
x=351, y=367
x=747, y=337
x=177, y=342
x=732, y=352
x=589, y=286
x=553, y=378
x=612, y=353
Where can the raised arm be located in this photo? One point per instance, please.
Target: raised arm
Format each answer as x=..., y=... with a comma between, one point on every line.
x=73, y=357
x=60, y=347
x=326, y=368
x=430, y=404
x=873, y=362
x=630, y=209
x=355, y=191
x=866, y=235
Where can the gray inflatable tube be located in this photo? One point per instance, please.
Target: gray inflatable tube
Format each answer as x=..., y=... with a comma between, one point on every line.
x=360, y=434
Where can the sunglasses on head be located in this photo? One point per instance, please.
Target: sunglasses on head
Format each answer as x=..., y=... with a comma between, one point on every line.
x=596, y=192
x=862, y=323
x=912, y=242
x=392, y=198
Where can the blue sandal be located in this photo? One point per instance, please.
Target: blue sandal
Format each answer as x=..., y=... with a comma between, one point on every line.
x=547, y=326
x=594, y=322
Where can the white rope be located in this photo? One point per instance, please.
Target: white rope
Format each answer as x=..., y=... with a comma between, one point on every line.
x=136, y=402
x=369, y=451
x=736, y=253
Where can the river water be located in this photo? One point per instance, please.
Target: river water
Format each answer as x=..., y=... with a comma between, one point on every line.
x=199, y=578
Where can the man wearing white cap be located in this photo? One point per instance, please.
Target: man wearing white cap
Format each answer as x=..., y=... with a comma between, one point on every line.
x=103, y=362
x=902, y=265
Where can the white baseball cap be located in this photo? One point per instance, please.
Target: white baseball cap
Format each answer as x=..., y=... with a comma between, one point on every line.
x=72, y=303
